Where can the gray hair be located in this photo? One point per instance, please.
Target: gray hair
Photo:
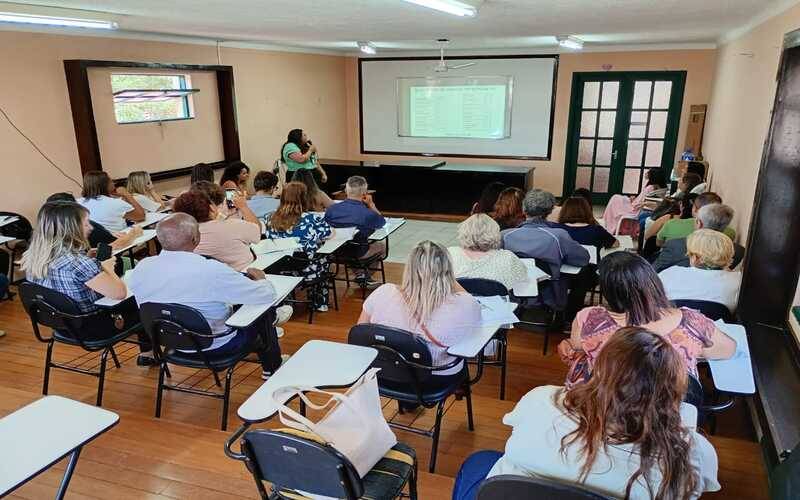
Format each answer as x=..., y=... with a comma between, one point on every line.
x=356, y=186
x=538, y=203
x=179, y=231
x=480, y=233
x=715, y=216
x=428, y=279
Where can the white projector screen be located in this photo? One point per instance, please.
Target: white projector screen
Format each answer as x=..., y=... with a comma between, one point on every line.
x=500, y=107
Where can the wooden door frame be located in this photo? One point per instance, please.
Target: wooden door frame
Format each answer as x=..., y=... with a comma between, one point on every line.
x=575, y=106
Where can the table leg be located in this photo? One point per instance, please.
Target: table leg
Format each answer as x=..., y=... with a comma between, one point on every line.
x=73, y=460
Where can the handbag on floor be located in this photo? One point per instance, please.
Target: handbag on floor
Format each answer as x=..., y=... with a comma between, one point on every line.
x=355, y=425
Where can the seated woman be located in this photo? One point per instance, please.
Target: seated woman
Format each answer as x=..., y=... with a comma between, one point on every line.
x=264, y=201
x=299, y=154
x=235, y=177
x=635, y=297
x=619, y=435
x=620, y=206
x=429, y=303
x=480, y=255
x=578, y=193
x=669, y=210
x=293, y=220
x=98, y=233
x=507, y=210
x=316, y=199
x=108, y=205
x=141, y=187
x=576, y=218
x=489, y=195
x=59, y=258
x=227, y=240
x=708, y=277
x=202, y=172
x=236, y=208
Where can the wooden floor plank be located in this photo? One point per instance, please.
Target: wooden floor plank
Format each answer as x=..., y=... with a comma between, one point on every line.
x=181, y=454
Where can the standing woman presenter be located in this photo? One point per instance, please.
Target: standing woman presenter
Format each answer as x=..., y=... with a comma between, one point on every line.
x=299, y=153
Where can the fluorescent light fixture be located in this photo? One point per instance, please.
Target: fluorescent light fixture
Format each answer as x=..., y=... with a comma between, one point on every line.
x=570, y=42
x=366, y=47
x=11, y=17
x=454, y=7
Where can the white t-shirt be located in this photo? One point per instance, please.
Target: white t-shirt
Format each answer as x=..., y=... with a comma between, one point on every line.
x=107, y=211
x=692, y=283
x=534, y=449
x=147, y=203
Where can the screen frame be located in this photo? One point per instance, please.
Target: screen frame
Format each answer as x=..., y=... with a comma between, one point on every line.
x=362, y=60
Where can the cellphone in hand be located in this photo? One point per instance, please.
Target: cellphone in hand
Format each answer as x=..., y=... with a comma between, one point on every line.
x=103, y=251
x=229, y=194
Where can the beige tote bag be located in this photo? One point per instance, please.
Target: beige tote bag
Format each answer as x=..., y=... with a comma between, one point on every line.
x=355, y=425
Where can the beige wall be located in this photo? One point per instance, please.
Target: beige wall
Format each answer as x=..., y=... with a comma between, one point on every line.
x=549, y=175
x=155, y=146
x=275, y=92
x=740, y=111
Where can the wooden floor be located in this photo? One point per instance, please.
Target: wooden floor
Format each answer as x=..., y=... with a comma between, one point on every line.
x=181, y=454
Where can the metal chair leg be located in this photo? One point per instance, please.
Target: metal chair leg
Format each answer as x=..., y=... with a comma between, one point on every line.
x=226, y=397
x=216, y=378
x=48, y=360
x=546, y=341
x=103, y=360
x=503, y=366
x=437, y=427
x=160, y=390
x=73, y=460
x=470, y=420
x=114, y=357
x=412, y=483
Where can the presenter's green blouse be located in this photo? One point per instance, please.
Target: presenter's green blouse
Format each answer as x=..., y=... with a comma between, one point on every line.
x=293, y=166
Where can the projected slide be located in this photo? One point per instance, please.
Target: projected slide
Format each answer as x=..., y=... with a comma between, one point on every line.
x=454, y=107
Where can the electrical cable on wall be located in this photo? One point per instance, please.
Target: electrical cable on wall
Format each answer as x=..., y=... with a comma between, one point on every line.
x=5, y=115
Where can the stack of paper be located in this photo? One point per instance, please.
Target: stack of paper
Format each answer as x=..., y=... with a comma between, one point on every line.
x=276, y=245
x=736, y=373
x=497, y=311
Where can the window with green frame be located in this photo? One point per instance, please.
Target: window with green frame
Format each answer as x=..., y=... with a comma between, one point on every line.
x=152, y=102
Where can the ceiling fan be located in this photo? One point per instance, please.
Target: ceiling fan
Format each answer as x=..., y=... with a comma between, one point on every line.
x=442, y=66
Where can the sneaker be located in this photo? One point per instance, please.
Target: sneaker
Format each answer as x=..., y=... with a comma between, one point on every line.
x=279, y=332
x=145, y=360
x=323, y=308
x=367, y=282
x=282, y=314
x=265, y=374
x=2, y=333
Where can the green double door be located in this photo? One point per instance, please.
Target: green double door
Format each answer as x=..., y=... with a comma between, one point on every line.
x=621, y=124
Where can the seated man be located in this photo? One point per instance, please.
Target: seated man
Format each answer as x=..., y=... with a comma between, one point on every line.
x=264, y=203
x=552, y=247
x=681, y=228
x=179, y=276
x=715, y=216
x=359, y=211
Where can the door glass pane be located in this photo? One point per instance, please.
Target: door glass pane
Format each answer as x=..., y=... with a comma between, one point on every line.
x=591, y=94
x=610, y=92
x=635, y=153
x=585, y=150
x=641, y=95
x=661, y=95
x=658, y=125
x=638, y=125
x=603, y=156
x=630, y=185
x=607, y=120
x=601, y=176
x=654, y=152
x=588, y=122
x=583, y=178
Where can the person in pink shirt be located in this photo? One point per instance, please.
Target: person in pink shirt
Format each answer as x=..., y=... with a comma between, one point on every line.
x=620, y=205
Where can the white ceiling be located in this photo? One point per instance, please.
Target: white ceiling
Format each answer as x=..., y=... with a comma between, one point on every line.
x=396, y=25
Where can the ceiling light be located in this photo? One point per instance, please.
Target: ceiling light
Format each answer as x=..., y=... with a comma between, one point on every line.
x=450, y=6
x=570, y=42
x=10, y=17
x=366, y=47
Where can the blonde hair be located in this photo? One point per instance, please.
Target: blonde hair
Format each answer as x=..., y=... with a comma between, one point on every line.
x=712, y=249
x=480, y=233
x=59, y=231
x=428, y=279
x=138, y=182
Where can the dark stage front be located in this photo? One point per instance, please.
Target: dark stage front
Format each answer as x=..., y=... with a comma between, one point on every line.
x=425, y=185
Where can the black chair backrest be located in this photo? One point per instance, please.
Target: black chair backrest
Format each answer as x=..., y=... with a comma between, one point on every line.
x=55, y=310
x=514, y=487
x=398, y=352
x=480, y=287
x=20, y=229
x=175, y=326
x=292, y=462
x=711, y=310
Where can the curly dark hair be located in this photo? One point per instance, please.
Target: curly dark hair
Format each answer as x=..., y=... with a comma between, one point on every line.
x=195, y=203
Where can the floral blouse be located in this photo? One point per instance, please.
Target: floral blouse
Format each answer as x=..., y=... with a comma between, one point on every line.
x=311, y=230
